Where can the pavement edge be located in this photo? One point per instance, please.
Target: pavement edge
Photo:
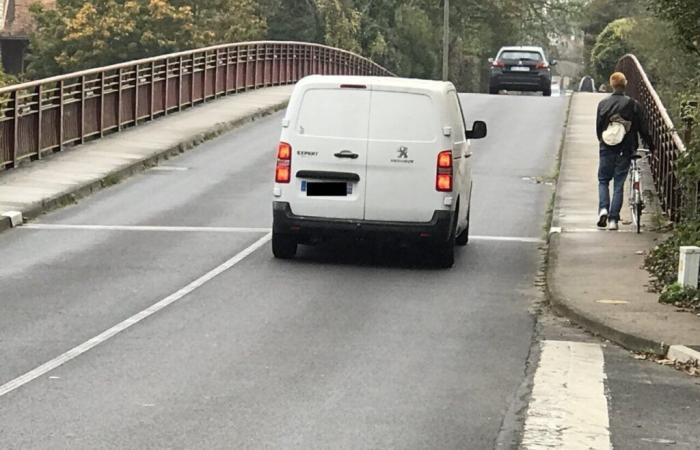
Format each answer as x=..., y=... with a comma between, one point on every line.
x=117, y=176
x=558, y=301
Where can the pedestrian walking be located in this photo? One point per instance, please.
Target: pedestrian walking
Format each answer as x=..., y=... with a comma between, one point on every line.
x=619, y=124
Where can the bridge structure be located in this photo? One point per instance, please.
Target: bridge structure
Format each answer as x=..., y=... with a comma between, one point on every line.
x=49, y=115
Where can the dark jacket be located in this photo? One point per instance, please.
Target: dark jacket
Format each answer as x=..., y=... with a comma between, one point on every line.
x=630, y=110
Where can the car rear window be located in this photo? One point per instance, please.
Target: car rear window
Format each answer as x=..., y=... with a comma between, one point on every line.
x=532, y=56
x=339, y=113
x=402, y=116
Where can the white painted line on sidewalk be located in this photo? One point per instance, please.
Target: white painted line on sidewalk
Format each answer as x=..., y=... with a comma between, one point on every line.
x=568, y=409
x=597, y=230
x=507, y=239
x=51, y=226
x=131, y=321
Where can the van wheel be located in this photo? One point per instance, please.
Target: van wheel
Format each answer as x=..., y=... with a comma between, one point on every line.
x=283, y=246
x=463, y=237
x=547, y=92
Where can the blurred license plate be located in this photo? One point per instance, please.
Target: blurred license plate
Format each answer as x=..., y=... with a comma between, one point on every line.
x=520, y=69
x=326, y=189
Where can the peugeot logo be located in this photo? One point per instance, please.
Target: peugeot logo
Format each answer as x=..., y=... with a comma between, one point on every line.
x=403, y=152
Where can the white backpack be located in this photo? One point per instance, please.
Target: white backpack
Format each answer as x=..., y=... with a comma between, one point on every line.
x=614, y=134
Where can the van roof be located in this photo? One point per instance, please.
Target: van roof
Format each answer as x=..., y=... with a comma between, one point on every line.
x=412, y=84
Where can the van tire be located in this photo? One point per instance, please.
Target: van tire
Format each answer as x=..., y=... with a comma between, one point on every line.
x=547, y=92
x=463, y=237
x=283, y=246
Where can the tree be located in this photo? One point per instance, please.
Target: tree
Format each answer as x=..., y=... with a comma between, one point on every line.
x=685, y=17
x=612, y=44
x=79, y=34
x=224, y=21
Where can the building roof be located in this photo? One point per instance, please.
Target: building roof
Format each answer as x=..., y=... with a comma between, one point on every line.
x=16, y=18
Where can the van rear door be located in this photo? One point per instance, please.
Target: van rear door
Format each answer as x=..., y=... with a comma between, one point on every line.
x=329, y=152
x=402, y=155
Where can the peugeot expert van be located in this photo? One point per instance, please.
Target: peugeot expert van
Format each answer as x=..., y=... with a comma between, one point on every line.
x=379, y=157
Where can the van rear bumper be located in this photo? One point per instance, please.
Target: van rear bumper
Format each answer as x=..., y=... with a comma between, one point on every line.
x=438, y=229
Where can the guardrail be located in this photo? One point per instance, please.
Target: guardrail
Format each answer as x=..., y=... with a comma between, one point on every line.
x=669, y=146
x=47, y=115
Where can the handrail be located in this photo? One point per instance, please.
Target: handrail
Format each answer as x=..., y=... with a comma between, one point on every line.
x=97, y=70
x=669, y=145
x=47, y=115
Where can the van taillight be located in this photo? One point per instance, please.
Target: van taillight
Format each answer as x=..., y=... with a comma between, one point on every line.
x=443, y=178
x=283, y=172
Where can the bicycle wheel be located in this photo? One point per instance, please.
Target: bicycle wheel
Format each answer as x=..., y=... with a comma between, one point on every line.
x=638, y=207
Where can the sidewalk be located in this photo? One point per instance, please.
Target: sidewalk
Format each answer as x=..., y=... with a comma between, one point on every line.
x=64, y=177
x=596, y=277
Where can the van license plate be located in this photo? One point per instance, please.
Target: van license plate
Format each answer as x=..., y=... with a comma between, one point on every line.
x=326, y=189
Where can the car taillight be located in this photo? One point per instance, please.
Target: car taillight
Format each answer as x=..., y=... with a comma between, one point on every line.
x=443, y=178
x=498, y=63
x=283, y=172
x=542, y=65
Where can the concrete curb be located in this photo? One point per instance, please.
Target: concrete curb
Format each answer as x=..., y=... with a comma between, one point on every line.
x=683, y=354
x=112, y=178
x=558, y=301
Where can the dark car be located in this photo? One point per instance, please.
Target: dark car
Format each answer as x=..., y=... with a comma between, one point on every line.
x=521, y=69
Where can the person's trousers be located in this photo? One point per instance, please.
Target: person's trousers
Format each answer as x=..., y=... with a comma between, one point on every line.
x=613, y=166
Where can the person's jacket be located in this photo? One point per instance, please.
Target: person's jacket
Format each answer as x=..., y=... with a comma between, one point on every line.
x=630, y=110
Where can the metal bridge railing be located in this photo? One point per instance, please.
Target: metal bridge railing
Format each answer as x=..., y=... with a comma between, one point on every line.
x=669, y=146
x=44, y=116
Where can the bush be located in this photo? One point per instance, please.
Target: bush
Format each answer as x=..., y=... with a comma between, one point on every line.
x=611, y=45
x=680, y=296
x=662, y=261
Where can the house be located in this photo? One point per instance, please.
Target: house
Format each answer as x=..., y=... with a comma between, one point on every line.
x=15, y=27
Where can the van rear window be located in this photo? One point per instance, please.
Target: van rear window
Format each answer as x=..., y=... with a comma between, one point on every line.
x=401, y=116
x=339, y=113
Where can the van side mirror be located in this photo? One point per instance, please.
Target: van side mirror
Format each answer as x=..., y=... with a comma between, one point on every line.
x=491, y=60
x=554, y=62
x=478, y=130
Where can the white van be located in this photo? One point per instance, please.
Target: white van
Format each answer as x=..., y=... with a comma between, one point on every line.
x=386, y=158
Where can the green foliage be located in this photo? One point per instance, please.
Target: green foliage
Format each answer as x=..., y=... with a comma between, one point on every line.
x=662, y=261
x=685, y=17
x=79, y=34
x=684, y=297
x=6, y=79
x=612, y=43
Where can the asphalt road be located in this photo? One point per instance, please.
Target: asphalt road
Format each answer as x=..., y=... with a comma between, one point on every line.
x=344, y=347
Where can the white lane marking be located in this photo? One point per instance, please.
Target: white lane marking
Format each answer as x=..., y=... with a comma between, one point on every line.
x=131, y=321
x=507, y=239
x=51, y=226
x=596, y=230
x=568, y=408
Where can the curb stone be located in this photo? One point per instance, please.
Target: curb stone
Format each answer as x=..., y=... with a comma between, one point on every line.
x=117, y=176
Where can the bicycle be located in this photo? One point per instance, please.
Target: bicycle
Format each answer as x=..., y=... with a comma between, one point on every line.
x=636, y=199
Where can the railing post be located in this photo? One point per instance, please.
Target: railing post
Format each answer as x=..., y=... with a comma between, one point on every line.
x=179, y=85
x=216, y=74
x=204, y=77
x=226, y=69
x=166, y=86
x=119, y=99
x=82, y=109
x=102, y=103
x=153, y=89
x=61, y=115
x=39, y=118
x=192, y=71
x=15, y=127
x=136, y=96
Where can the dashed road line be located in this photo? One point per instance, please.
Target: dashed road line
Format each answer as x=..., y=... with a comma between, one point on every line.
x=568, y=408
x=131, y=321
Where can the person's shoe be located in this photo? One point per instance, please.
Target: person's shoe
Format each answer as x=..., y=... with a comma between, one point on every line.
x=602, y=219
x=612, y=225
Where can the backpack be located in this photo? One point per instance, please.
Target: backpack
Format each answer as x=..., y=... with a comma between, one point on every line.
x=617, y=129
